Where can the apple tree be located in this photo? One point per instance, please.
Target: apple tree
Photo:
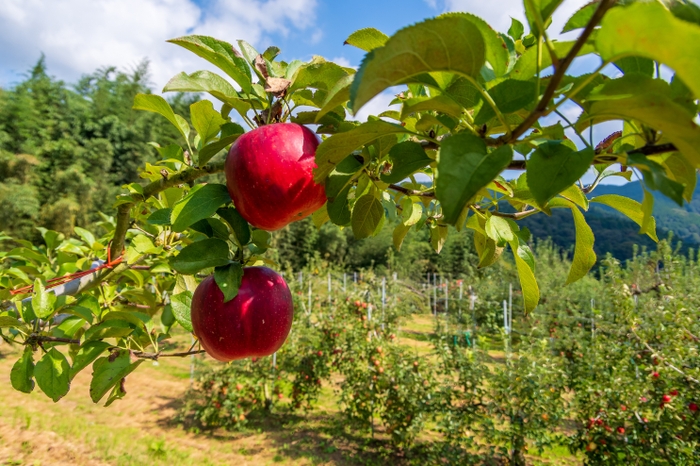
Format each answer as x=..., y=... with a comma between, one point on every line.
x=471, y=104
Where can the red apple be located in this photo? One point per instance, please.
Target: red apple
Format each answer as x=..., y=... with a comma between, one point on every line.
x=692, y=407
x=666, y=399
x=254, y=323
x=269, y=175
x=620, y=430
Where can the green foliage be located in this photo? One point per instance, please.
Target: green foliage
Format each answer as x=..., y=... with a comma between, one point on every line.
x=64, y=152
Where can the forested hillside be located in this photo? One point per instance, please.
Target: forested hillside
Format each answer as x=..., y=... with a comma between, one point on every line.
x=66, y=150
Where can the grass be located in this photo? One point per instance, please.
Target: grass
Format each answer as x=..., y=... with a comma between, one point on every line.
x=138, y=430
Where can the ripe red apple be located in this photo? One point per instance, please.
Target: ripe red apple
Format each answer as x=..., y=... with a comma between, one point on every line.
x=666, y=399
x=620, y=430
x=269, y=175
x=692, y=407
x=254, y=323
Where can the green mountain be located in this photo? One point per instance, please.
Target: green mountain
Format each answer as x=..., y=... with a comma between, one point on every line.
x=614, y=232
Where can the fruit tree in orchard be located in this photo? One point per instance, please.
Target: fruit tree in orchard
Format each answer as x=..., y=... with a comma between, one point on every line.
x=473, y=103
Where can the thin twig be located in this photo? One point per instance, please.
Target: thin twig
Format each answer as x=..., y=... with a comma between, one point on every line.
x=412, y=192
x=558, y=75
x=38, y=339
x=155, y=356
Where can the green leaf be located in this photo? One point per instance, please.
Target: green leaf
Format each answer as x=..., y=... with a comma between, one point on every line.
x=639, y=65
x=584, y=255
x=464, y=168
x=85, y=235
x=411, y=212
x=261, y=241
x=526, y=274
x=634, y=97
x=201, y=202
x=212, y=83
x=229, y=278
x=509, y=96
x=340, y=177
x=574, y=194
x=42, y=301
x=647, y=209
x=201, y=81
x=320, y=217
x=238, y=224
x=643, y=29
x=367, y=39
x=418, y=49
x=182, y=308
x=487, y=249
x=140, y=245
x=220, y=54
x=337, y=95
x=338, y=208
x=526, y=66
x=631, y=209
x=136, y=319
x=438, y=236
x=11, y=322
x=210, y=252
x=206, y=121
x=271, y=52
x=499, y=230
x=108, y=371
x=464, y=92
x=655, y=177
x=406, y=158
x=51, y=373
x=211, y=227
x=516, y=29
x=22, y=373
x=367, y=215
x=160, y=217
x=157, y=104
x=400, y=232
x=334, y=149
x=496, y=51
x=553, y=167
x=108, y=329
x=442, y=103
x=319, y=75
x=210, y=150
x=581, y=18
x=88, y=352
x=680, y=170
x=69, y=327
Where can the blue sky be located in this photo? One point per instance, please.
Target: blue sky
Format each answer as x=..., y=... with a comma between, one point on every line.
x=78, y=36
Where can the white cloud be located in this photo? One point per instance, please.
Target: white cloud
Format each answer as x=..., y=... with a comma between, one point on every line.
x=342, y=61
x=498, y=13
x=78, y=36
